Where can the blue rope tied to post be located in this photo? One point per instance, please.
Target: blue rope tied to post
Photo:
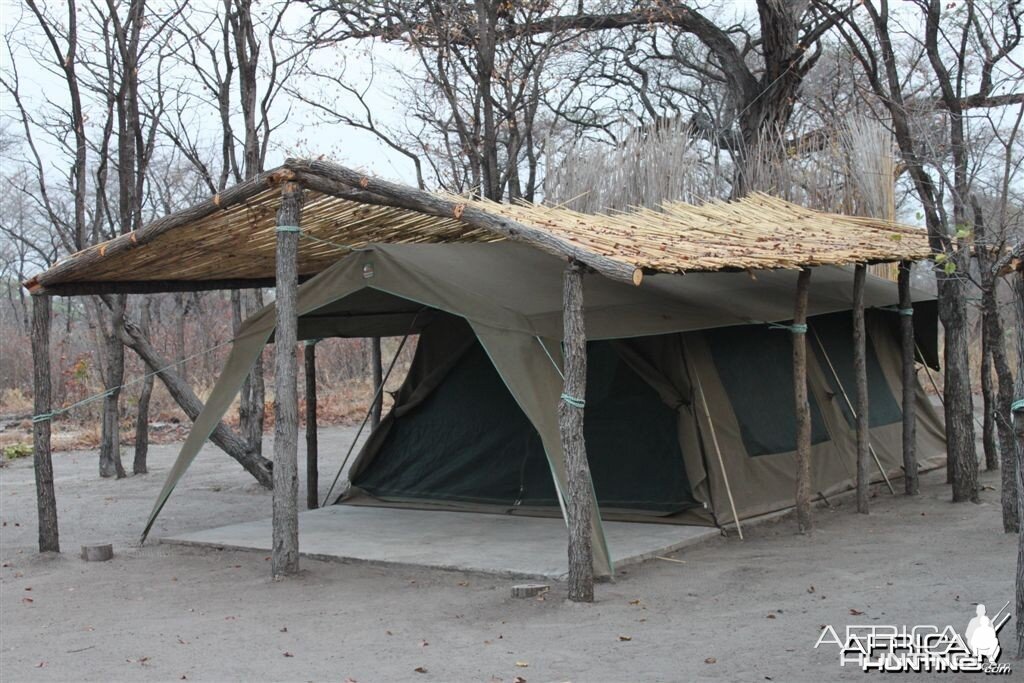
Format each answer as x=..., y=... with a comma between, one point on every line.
x=1017, y=405
x=573, y=401
x=908, y=312
x=288, y=228
x=795, y=328
x=43, y=417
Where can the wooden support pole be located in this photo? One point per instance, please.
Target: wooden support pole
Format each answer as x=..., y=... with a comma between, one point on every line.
x=312, y=448
x=377, y=370
x=907, y=345
x=570, y=421
x=860, y=373
x=285, y=553
x=802, y=406
x=46, y=499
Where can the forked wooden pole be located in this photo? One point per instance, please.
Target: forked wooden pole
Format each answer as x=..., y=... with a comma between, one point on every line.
x=285, y=549
x=570, y=421
x=312, y=446
x=909, y=375
x=42, y=462
x=802, y=408
x=718, y=452
x=860, y=373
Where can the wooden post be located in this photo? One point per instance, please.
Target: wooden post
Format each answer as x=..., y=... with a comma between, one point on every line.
x=907, y=345
x=1017, y=413
x=285, y=553
x=378, y=374
x=312, y=455
x=860, y=371
x=802, y=407
x=570, y=421
x=46, y=499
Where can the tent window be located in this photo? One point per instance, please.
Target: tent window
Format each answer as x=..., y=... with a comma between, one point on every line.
x=836, y=334
x=755, y=366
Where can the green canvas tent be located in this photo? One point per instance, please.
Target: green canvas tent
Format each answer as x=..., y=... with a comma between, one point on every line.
x=474, y=425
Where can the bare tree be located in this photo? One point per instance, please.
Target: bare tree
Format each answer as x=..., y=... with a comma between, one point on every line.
x=944, y=54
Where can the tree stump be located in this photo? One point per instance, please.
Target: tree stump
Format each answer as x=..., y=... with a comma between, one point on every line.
x=100, y=552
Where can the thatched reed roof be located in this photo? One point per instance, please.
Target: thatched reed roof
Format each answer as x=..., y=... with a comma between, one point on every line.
x=229, y=240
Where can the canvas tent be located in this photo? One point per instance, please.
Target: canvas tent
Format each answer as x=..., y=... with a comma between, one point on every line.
x=677, y=307
x=475, y=426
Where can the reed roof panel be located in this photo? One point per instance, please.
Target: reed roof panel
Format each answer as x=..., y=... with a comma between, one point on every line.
x=229, y=240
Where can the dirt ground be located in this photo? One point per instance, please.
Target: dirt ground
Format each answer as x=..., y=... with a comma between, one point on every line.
x=733, y=611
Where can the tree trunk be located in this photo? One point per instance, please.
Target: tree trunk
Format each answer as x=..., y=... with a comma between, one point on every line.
x=989, y=443
x=285, y=553
x=907, y=348
x=377, y=368
x=861, y=374
x=250, y=414
x=236, y=447
x=1004, y=400
x=142, y=418
x=570, y=419
x=802, y=407
x=110, y=439
x=312, y=471
x=959, y=402
x=46, y=499
x=1018, y=428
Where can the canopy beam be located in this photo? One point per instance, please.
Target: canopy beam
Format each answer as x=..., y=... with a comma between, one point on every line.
x=860, y=372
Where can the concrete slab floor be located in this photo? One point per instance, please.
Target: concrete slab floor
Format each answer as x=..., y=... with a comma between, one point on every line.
x=520, y=547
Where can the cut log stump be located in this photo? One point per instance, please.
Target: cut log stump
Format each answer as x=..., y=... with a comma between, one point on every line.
x=100, y=552
x=529, y=590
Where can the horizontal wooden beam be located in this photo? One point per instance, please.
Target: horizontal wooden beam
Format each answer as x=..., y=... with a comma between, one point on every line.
x=393, y=194
x=91, y=256
x=152, y=286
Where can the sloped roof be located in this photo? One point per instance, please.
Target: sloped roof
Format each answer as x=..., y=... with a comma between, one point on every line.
x=229, y=240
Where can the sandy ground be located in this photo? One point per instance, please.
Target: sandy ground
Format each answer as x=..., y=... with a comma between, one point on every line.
x=734, y=611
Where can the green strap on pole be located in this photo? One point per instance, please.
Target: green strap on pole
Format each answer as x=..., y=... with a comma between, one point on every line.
x=1017, y=405
x=573, y=401
x=289, y=228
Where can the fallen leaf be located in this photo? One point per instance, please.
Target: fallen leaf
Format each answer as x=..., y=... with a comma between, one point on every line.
x=635, y=602
x=27, y=601
x=811, y=589
x=288, y=654
x=420, y=669
x=424, y=643
x=855, y=612
x=626, y=638
x=389, y=633
x=350, y=680
x=522, y=665
x=283, y=629
x=710, y=660
x=40, y=665
x=770, y=616
x=518, y=679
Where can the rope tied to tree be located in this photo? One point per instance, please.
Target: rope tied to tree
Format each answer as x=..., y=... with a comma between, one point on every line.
x=906, y=312
x=1017, y=405
x=43, y=417
x=573, y=401
x=288, y=228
